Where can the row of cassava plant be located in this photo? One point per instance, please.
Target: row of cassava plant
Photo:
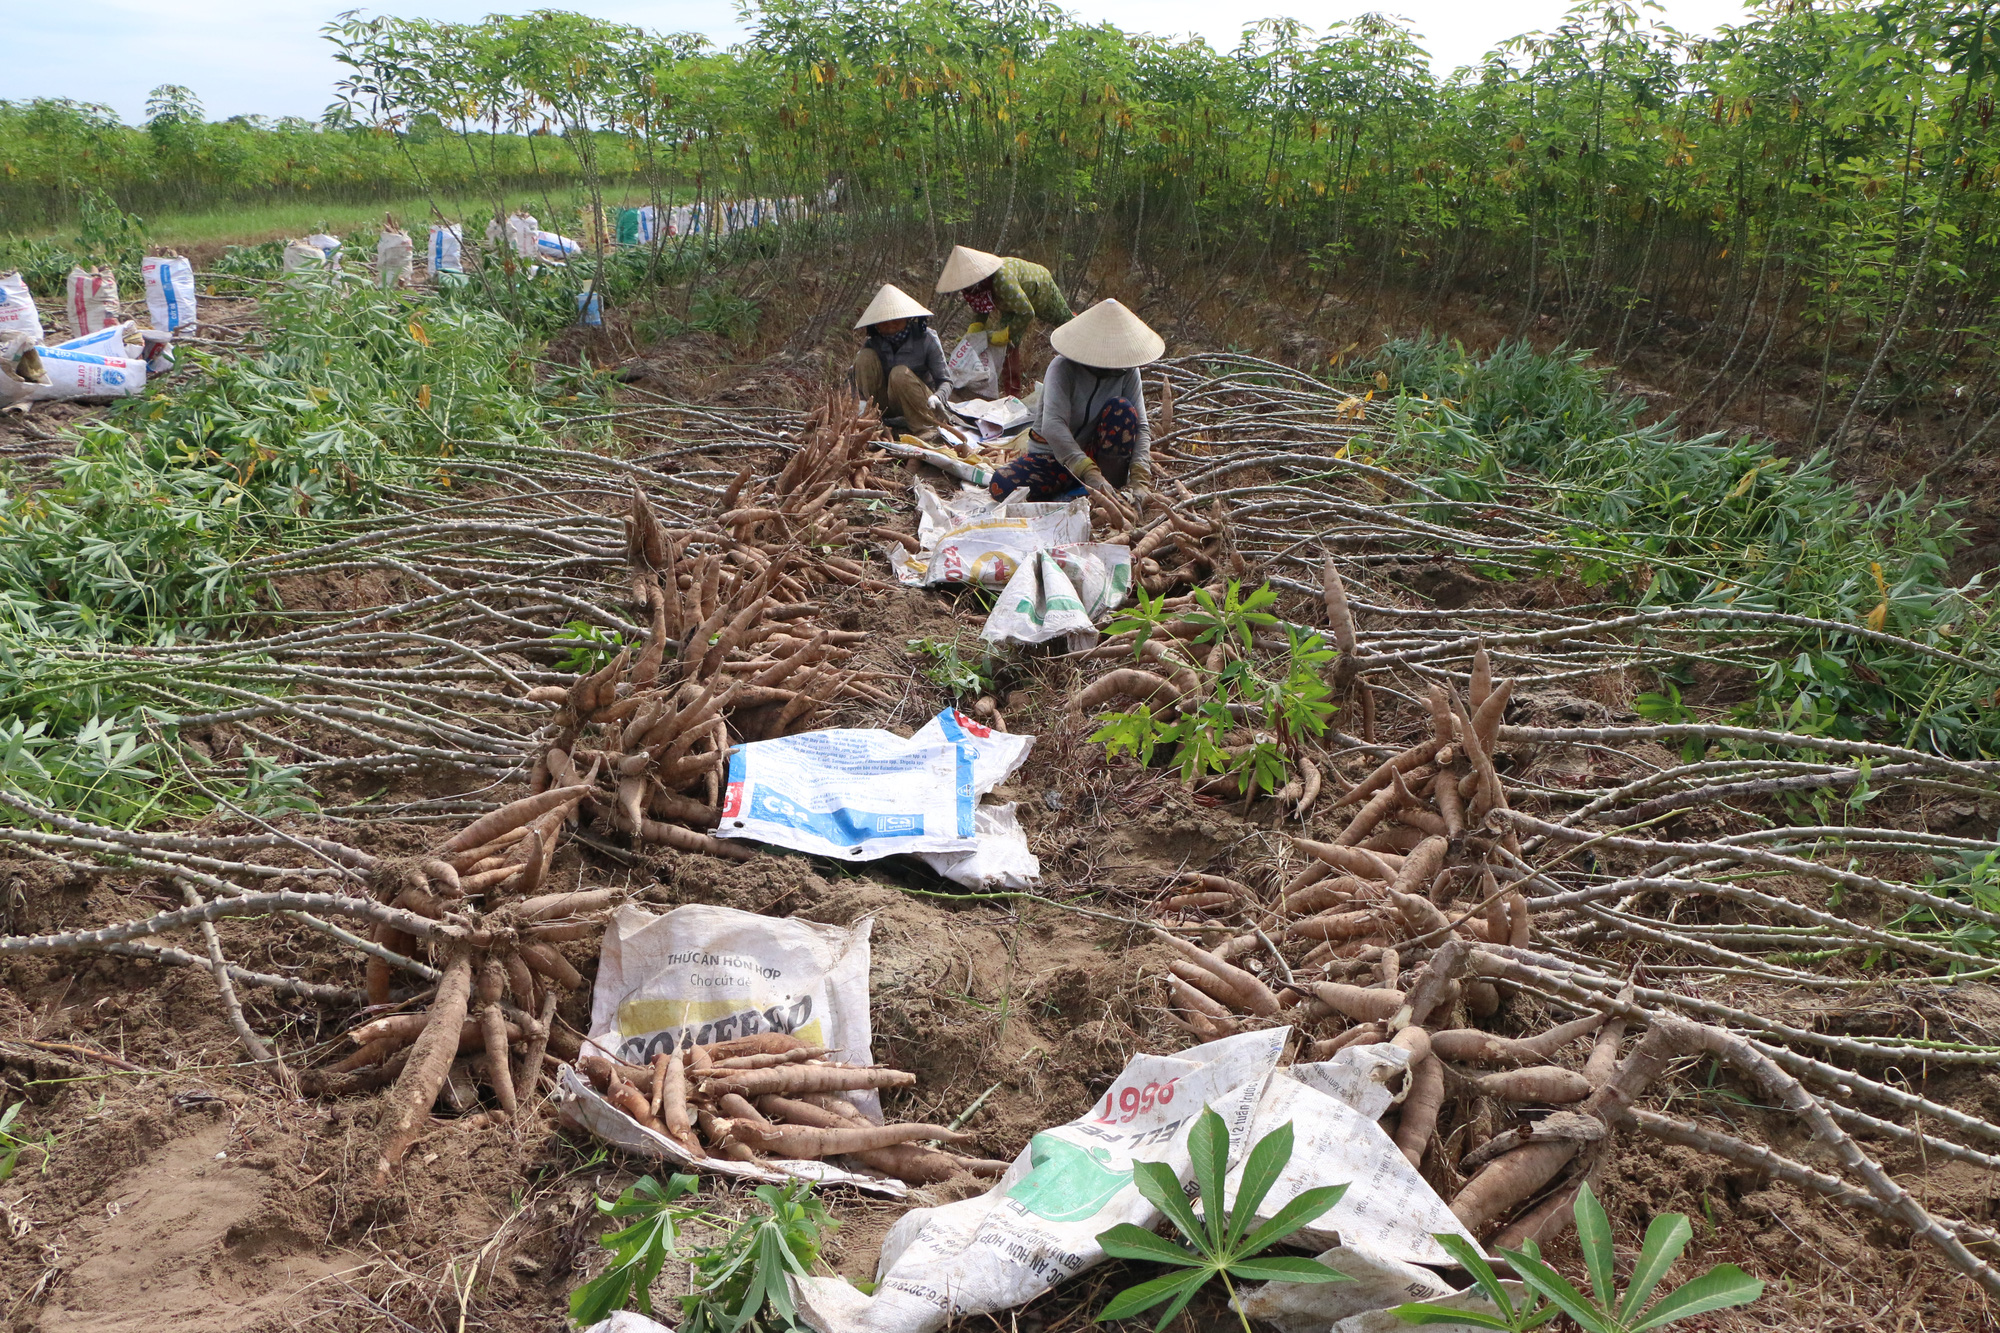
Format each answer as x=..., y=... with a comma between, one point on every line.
x=55, y=153
x=1807, y=191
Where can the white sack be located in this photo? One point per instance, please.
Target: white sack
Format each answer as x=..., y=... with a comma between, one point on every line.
x=702, y=974
x=974, y=367
x=550, y=248
x=329, y=248
x=93, y=300
x=628, y=1321
x=1388, y=1210
x=1063, y=592
x=105, y=342
x=303, y=256
x=1000, y=861
x=82, y=375
x=995, y=416
x=393, y=255
x=971, y=538
x=971, y=473
x=17, y=308
x=1309, y=1307
x=521, y=230
x=860, y=793
x=447, y=248
x=1040, y=1224
x=170, y=297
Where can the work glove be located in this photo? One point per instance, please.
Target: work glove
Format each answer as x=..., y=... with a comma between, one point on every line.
x=976, y=326
x=999, y=337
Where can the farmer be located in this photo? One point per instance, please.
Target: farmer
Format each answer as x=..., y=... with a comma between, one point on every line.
x=1006, y=296
x=901, y=364
x=1093, y=431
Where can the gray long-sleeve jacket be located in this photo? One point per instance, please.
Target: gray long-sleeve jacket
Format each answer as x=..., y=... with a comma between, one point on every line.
x=1072, y=396
x=924, y=356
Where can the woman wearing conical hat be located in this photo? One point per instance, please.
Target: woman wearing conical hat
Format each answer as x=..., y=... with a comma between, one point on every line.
x=1006, y=296
x=1093, y=431
x=901, y=362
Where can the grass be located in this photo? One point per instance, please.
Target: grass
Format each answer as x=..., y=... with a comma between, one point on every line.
x=276, y=219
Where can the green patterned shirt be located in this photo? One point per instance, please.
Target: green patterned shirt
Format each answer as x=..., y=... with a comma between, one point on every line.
x=1022, y=291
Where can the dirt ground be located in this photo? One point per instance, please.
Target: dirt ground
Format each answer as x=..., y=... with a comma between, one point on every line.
x=182, y=1189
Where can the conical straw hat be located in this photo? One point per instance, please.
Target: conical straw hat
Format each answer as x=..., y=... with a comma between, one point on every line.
x=965, y=267
x=892, y=302
x=1109, y=337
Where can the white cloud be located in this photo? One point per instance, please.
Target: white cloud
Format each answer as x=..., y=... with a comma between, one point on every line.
x=264, y=59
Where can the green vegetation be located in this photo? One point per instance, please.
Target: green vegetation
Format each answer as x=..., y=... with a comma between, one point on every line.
x=54, y=153
x=1605, y=1309
x=149, y=531
x=742, y=1283
x=639, y=1249
x=1284, y=693
x=957, y=673
x=745, y=1282
x=1708, y=522
x=1221, y=1243
x=1811, y=188
x=13, y=1144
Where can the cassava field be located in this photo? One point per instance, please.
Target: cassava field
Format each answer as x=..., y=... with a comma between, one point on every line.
x=1561, y=647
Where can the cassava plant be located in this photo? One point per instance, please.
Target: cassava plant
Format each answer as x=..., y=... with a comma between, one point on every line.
x=1221, y=1242
x=1605, y=1309
x=640, y=1249
x=1246, y=681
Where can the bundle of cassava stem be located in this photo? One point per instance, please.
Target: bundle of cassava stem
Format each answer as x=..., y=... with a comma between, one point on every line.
x=774, y=1096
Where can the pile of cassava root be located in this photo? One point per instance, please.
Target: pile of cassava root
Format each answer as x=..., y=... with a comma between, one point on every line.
x=772, y=1095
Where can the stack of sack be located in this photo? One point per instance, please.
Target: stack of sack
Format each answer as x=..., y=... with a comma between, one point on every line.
x=107, y=356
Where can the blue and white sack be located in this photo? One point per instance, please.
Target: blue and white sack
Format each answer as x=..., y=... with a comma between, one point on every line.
x=17, y=308
x=553, y=249
x=170, y=296
x=447, y=246
x=328, y=246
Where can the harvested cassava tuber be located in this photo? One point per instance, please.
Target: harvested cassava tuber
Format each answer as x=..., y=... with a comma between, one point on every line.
x=513, y=816
x=1375, y=1006
x=1129, y=682
x=1466, y=1046
x=429, y=1065
x=1366, y=1034
x=1544, y=1083
x=803, y=1141
x=785, y=1079
x=1251, y=994
x=1420, y=1107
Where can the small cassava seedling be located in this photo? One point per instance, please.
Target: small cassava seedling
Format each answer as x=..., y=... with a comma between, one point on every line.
x=1605, y=1309
x=1221, y=1243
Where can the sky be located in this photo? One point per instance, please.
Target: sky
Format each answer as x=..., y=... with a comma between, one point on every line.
x=252, y=57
